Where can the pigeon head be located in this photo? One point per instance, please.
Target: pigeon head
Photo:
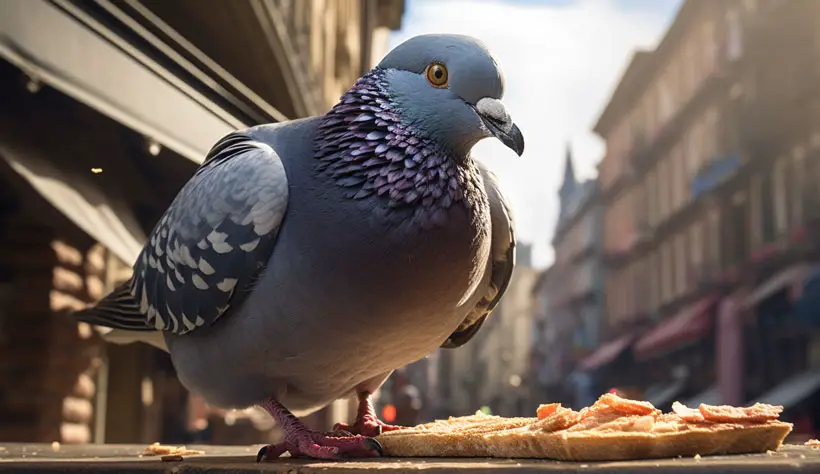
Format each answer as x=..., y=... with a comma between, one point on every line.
x=450, y=87
x=402, y=134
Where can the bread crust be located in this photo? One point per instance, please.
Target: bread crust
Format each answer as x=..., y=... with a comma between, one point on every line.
x=610, y=430
x=619, y=446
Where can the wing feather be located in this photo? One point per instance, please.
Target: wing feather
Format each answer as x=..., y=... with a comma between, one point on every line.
x=210, y=246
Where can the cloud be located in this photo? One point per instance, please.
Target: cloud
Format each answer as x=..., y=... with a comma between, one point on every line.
x=561, y=60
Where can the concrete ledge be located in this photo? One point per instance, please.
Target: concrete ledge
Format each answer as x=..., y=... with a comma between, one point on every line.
x=41, y=458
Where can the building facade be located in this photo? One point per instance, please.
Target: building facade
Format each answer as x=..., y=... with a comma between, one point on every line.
x=666, y=120
x=708, y=185
x=570, y=296
x=107, y=109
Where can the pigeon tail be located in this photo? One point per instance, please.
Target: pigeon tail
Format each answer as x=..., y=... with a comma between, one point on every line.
x=118, y=310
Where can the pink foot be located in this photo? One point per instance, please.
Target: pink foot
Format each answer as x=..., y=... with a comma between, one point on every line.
x=317, y=445
x=302, y=442
x=367, y=423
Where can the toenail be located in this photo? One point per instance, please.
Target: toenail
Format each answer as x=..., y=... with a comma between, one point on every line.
x=261, y=454
x=375, y=446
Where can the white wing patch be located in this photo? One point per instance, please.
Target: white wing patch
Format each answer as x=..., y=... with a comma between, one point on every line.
x=215, y=238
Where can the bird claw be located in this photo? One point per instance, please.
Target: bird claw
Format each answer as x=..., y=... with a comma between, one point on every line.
x=320, y=446
x=365, y=427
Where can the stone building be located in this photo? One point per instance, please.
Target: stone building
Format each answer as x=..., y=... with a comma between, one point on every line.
x=665, y=121
x=709, y=189
x=571, y=294
x=106, y=110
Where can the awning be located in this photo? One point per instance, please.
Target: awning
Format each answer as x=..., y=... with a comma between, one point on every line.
x=794, y=390
x=105, y=218
x=790, y=276
x=686, y=327
x=114, y=79
x=710, y=396
x=606, y=353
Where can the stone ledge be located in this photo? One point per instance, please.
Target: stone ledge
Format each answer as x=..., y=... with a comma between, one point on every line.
x=41, y=458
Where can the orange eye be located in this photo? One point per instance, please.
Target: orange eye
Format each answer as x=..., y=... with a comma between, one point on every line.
x=437, y=75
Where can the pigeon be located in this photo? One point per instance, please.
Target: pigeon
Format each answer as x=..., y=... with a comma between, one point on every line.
x=304, y=261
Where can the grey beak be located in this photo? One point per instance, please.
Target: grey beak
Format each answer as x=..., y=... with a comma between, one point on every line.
x=498, y=122
x=513, y=139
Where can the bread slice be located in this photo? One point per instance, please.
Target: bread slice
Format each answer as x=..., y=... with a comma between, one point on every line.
x=454, y=437
x=613, y=429
x=622, y=446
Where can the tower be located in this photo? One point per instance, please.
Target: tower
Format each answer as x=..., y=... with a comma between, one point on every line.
x=569, y=184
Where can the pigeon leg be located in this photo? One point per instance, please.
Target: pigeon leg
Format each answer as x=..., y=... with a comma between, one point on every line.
x=302, y=442
x=367, y=423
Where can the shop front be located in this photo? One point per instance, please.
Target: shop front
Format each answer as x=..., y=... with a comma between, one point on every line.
x=676, y=355
x=782, y=368
x=608, y=367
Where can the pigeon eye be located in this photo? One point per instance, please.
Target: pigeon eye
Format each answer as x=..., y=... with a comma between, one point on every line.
x=437, y=75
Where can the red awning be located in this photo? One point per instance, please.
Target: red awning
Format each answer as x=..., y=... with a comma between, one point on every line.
x=687, y=326
x=606, y=353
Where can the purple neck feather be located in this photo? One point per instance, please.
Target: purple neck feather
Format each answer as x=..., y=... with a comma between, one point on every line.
x=364, y=148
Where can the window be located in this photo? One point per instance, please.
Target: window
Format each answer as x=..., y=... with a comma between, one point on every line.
x=781, y=211
x=646, y=106
x=638, y=288
x=680, y=264
x=736, y=232
x=710, y=47
x=696, y=246
x=663, y=191
x=798, y=183
x=710, y=136
x=767, y=230
x=640, y=205
x=610, y=300
x=652, y=197
x=666, y=272
x=687, y=81
x=713, y=242
x=734, y=35
x=654, y=286
x=664, y=102
x=755, y=217
x=679, y=180
x=694, y=148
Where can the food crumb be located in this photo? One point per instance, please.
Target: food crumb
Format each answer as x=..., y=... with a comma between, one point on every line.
x=813, y=443
x=697, y=457
x=770, y=452
x=171, y=458
x=157, y=449
x=55, y=446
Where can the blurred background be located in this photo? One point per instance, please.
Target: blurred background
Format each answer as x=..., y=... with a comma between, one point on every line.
x=668, y=204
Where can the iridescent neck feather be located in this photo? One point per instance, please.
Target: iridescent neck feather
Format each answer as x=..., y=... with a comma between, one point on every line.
x=363, y=146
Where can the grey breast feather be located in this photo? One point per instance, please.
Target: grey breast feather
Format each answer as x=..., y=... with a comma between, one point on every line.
x=502, y=261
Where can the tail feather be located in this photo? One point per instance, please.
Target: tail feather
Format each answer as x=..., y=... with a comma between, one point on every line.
x=121, y=337
x=117, y=310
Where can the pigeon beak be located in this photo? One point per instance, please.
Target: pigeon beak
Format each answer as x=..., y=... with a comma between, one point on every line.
x=499, y=124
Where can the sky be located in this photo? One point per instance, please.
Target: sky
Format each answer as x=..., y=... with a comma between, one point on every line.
x=561, y=60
